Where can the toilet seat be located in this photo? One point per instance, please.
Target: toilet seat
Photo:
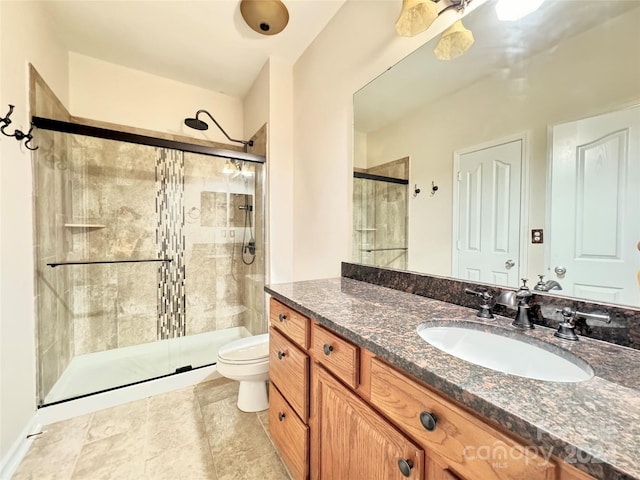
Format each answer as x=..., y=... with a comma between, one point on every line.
x=249, y=350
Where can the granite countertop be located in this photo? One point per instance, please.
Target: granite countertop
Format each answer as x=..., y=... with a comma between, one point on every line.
x=594, y=424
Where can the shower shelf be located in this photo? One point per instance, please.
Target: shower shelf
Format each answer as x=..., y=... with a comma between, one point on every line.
x=53, y=265
x=84, y=225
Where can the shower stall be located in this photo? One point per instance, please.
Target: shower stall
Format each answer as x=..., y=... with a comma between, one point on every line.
x=149, y=256
x=380, y=215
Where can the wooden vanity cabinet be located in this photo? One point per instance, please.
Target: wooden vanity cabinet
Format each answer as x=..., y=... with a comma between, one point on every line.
x=463, y=442
x=289, y=386
x=352, y=441
x=340, y=413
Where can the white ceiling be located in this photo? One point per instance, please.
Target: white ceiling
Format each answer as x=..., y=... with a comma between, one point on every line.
x=202, y=42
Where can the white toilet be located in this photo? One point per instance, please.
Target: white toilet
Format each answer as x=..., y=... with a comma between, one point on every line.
x=247, y=360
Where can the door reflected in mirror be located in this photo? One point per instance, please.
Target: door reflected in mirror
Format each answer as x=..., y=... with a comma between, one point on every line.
x=557, y=81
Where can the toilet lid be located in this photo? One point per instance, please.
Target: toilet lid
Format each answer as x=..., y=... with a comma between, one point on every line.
x=246, y=350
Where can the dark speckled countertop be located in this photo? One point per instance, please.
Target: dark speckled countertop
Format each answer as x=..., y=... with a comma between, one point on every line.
x=594, y=424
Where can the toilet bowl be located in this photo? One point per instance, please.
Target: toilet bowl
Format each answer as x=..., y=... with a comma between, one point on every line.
x=247, y=361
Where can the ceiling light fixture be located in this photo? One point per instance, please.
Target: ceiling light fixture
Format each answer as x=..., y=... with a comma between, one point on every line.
x=453, y=42
x=267, y=17
x=510, y=10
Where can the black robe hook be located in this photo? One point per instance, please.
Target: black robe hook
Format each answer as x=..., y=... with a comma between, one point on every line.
x=18, y=134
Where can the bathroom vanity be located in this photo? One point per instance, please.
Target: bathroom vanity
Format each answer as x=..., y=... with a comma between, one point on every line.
x=356, y=393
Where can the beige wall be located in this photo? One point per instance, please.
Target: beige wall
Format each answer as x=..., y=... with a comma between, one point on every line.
x=282, y=210
x=24, y=37
x=341, y=60
x=490, y=110
x=138, y=99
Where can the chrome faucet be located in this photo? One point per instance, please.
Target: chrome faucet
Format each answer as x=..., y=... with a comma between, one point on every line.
x=567, y=328
x=543, y=286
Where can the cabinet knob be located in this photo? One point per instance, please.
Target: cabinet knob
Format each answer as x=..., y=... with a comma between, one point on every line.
x=327, y=349
x=405, y=467
x=281, y=355
x=282, y=317
x=428, y=421
x=281, y=416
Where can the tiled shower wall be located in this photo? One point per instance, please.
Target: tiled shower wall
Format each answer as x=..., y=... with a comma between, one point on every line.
x=100, y=200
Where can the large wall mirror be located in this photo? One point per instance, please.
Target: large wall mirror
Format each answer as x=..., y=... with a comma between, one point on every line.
x=532, y=138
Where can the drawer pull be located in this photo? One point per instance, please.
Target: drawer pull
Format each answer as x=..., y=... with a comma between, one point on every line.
x=281, y=355
x=327, y=349
x=428, y=421
x=282, y=317
x=281, y=416
x=405, y=467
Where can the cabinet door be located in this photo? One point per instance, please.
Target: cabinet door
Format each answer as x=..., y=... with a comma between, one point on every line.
x=353, y=442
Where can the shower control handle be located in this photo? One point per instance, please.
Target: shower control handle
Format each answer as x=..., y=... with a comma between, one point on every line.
x=281, y=416
x=282, y=317
x=327, y=349
x=281, y=355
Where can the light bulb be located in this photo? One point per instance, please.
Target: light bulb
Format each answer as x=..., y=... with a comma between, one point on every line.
x=510, y=10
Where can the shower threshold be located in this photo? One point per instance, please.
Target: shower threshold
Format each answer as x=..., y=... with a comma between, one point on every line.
x=100, y=372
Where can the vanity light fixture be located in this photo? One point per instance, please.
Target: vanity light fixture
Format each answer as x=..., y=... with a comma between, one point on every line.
x=453, y=42
x=416, y=16
x=267, y=17
x=510, y=10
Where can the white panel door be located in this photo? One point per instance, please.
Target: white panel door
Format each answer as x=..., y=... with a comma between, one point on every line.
x=595, y=207
x=488, y=194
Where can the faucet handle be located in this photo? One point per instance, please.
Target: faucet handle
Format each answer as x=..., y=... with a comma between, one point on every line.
x=485, y=309
x=570, y=315
x=484, y=294
x=566, y=329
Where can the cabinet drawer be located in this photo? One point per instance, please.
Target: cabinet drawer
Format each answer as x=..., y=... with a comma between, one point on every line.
x=291, y=323
x=289, y=370
x=335, y=354
x=289, y=434
x=463, y=442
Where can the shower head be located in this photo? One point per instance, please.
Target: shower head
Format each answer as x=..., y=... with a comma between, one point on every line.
x=196, y=124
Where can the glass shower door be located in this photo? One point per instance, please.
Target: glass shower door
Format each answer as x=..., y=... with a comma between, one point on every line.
x=97, y=265
x=148, y=260
x=380, y=221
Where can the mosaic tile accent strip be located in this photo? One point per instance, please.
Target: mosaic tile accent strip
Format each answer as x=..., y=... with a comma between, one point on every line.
x=170, y=243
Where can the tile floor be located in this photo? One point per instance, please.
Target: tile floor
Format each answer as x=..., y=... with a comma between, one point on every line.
x=196, y=433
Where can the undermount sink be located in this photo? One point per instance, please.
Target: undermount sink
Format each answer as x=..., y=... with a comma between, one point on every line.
x=531, y=358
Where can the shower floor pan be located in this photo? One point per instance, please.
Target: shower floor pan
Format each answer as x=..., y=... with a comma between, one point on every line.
x=102, y=371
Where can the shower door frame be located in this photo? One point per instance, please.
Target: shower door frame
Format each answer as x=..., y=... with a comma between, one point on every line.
x=121, y=136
